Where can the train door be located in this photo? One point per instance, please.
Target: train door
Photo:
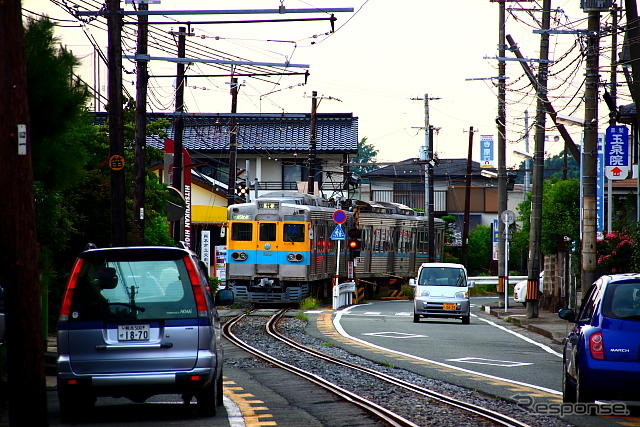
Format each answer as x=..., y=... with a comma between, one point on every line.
x=390, y=249
x=267, y=248
x=412, y=249
x=366, y=248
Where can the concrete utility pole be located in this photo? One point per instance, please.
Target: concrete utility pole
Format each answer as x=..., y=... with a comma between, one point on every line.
x=311, y=163
x=502, y=146
x=590, y=151
x=613, y=86
x=26, y=393
x=116, y=126
x=467, y=202
x=633, y=36
x=141, y=126
x=233, y=143
x=535, y=229
x=178, y=129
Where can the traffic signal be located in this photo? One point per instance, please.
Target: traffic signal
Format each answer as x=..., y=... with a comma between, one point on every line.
x=354, y=244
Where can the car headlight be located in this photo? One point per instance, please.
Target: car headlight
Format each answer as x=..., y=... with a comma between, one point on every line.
x=239, y=256
x=294, y=257
x=462, y=294
x=424, y=293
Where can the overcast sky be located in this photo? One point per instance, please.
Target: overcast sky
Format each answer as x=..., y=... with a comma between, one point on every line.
x=380, y=56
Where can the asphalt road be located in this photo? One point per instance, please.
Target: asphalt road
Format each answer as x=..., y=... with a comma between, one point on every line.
x=477, y=348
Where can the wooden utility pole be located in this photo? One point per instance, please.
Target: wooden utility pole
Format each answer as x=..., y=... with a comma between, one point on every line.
x=467, y=203
x=431, y=207
x=233, y=143
x=116, y=124
x=178, y=129
x=501, y=121
x=26, y=394
x=535, y=229
x=141, y=126
x=590, y=152
x=311, y=166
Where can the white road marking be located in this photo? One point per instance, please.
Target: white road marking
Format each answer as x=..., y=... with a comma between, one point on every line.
x=394, y=335
x=404, y=313
x=492, y=362
x=372, y=313
x=341, y=331
x=314, y=311
x=233, y=413
x=522, y=337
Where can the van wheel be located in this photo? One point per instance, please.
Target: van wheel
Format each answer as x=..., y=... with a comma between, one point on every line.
x=466, y=320
x=219, y=391
x=416, y=318
x=207, y=399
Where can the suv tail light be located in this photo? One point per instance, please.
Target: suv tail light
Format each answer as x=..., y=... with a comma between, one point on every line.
x=65, y=309
x=596, y=346
x=196, y=285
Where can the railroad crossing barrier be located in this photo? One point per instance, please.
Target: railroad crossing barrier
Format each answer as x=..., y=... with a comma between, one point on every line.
x=343, y=294
x=359, y=297
x=493, y=280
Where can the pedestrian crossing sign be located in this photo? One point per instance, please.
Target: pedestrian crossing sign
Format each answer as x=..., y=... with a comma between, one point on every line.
x=338, y=233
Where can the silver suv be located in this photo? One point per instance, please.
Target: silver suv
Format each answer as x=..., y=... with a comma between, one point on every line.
x=139, y=321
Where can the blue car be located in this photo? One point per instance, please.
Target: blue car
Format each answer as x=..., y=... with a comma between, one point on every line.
x=601, y=359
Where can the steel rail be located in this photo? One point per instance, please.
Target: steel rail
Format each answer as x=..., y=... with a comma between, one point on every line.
x=377, y=410
x=494, y=416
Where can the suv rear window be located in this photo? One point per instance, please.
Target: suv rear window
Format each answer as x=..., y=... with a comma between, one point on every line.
x=133, y=290
x=622, y=301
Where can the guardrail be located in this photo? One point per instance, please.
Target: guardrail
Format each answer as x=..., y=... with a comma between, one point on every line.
x=343, y=294
x=493, y=280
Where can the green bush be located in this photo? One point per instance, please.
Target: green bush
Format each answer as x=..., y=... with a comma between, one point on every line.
x=407, y=291
x=309, y=303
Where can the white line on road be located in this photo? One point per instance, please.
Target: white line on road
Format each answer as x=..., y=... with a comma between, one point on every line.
x=394, y=335
x=522, y=337
x=492, y=362
x=341, y=331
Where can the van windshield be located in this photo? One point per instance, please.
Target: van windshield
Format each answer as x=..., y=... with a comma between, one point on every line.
x=442, y=276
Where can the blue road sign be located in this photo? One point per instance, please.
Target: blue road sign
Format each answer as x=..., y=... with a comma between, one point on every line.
x=338, y=233
x=486, y=151
x=600, y=185
x=616, y=152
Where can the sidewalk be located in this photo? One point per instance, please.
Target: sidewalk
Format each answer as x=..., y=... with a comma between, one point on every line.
x=547, y=324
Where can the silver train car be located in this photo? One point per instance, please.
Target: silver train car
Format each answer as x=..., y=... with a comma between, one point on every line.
x=280, y=250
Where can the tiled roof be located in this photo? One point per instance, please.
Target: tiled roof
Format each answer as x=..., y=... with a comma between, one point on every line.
x=453, y=168
x=289, y=132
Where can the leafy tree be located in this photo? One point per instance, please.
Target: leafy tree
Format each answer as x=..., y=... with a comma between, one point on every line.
x=366, y=154
x=480, y=249
x=553, y=167
x=72, y=181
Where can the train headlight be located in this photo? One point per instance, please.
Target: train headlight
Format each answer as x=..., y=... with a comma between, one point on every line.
x=239, y=256
x=294, y=257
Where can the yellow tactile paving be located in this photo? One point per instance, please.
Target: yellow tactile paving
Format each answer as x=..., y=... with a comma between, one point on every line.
x=253, y=411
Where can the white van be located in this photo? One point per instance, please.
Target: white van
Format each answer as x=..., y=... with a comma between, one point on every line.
x=441, y=290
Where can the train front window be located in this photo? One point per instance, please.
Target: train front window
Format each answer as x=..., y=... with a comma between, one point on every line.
x=267, y=232
x=241, y=231
x=293, y=233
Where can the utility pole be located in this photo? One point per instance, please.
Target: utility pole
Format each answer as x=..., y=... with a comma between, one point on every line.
x=178, y=128
x=311, y=167
x=502, y=147
x=535, y=230
x=26, y=391
x=431, y=207
x=116, y=126
x=633, y=36
x=527, y=160
x=233, y=143
x=614, y=103
x=141, y=125
x=590, y=151
x=467, y=203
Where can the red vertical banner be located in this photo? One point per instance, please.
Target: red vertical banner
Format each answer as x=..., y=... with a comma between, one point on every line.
x=186, y=183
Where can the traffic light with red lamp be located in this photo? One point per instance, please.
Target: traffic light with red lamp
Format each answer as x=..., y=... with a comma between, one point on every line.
x=354, y=243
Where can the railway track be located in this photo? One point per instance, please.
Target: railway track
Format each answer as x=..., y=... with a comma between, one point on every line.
x=468, y=412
